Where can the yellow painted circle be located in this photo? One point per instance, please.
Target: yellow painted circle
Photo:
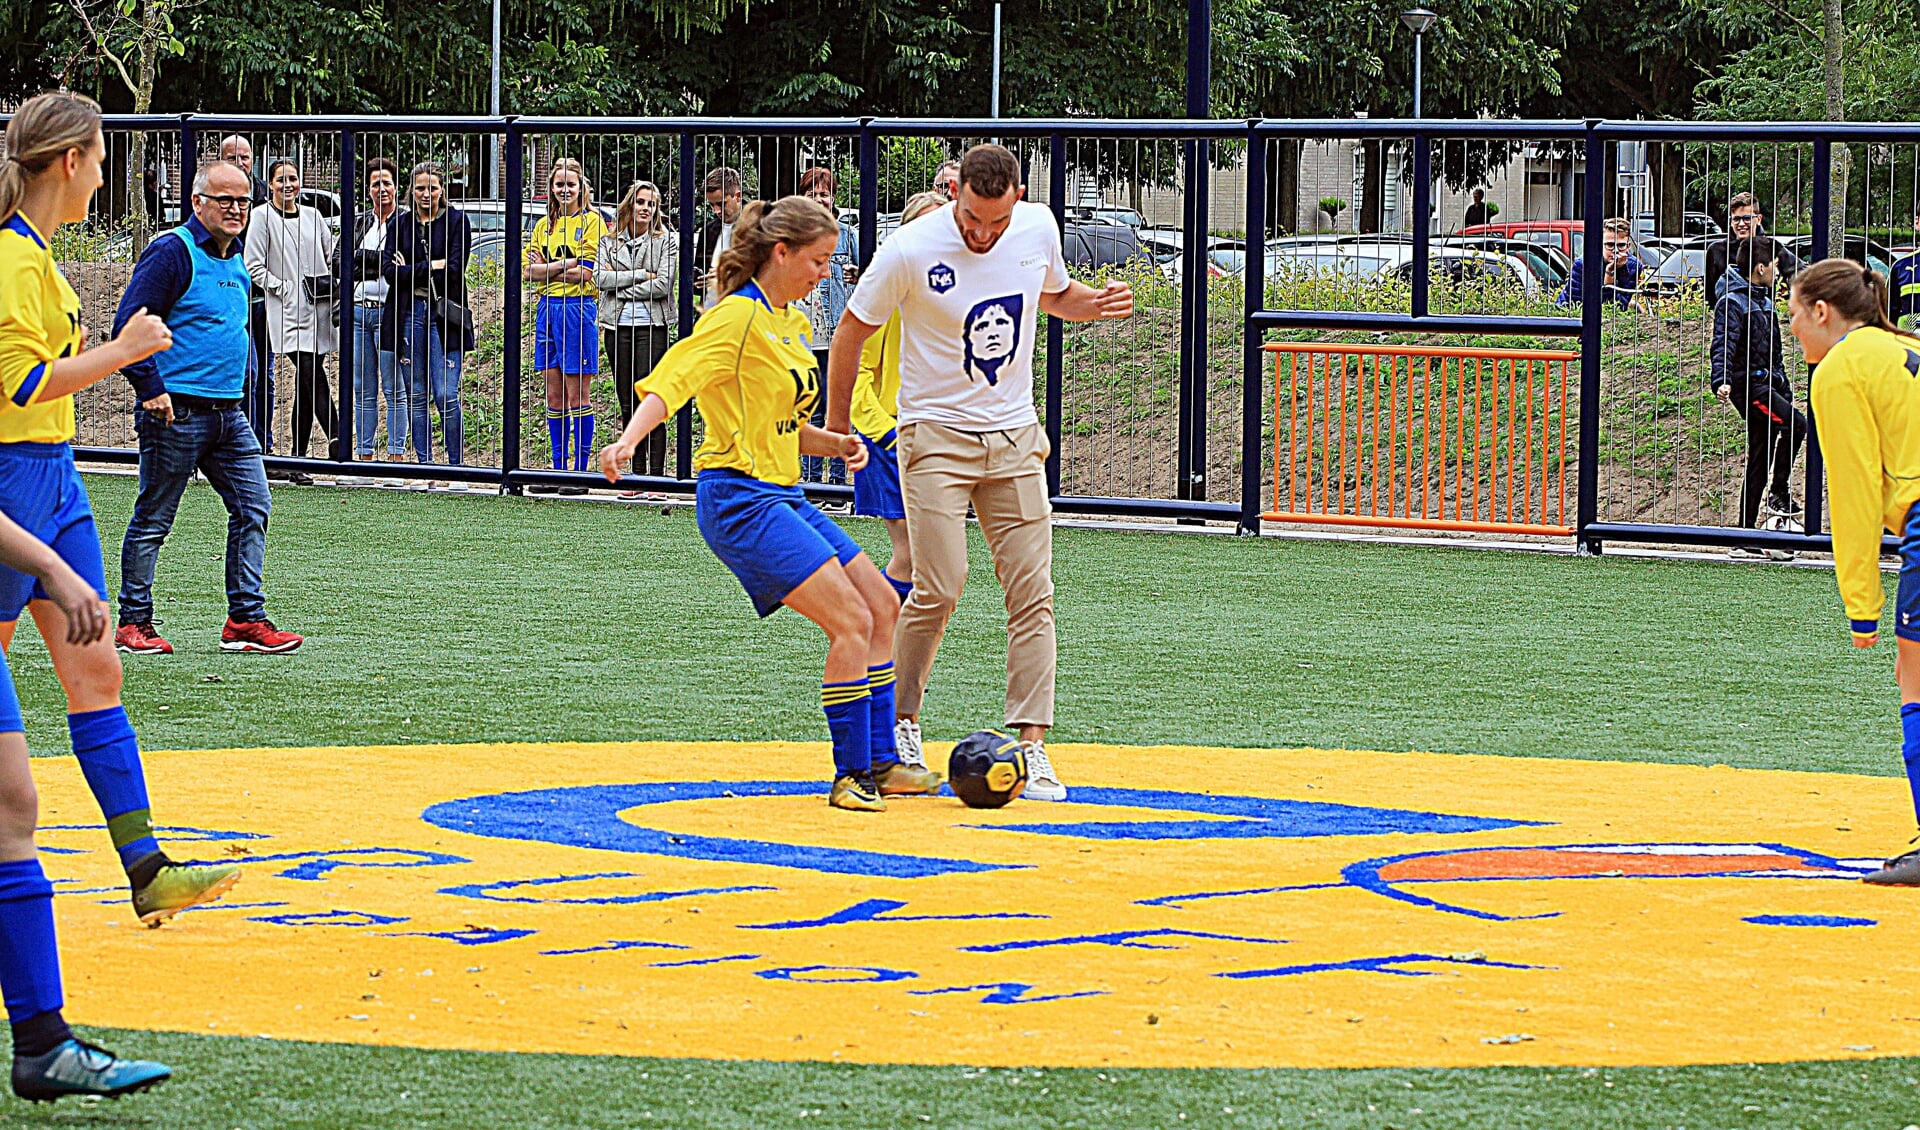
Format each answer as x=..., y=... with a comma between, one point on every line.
x=1348, y=909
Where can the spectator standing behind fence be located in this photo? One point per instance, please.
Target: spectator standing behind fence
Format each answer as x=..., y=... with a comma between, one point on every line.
x=828, y=302
x=1479, y=212
x=638, y=267
x=716, y=235
x=1745, y=219
x=1903, y=297
x=195, y=279
x=1620, y=275
x=946, y=180
x=237, y=151
x=373, y=366
x=560, y=259
x=427, y=323
x=1750, y=373
x=289, y=252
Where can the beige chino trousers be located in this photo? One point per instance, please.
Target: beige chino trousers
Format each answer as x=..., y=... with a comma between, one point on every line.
x=1004, y=475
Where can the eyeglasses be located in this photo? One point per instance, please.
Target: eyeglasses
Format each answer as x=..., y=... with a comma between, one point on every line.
x=227, y=203
x=1744, y=220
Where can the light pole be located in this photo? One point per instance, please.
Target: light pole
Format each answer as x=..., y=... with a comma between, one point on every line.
x=1418, y=20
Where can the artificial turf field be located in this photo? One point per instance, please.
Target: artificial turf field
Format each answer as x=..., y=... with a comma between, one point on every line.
x=448, y=619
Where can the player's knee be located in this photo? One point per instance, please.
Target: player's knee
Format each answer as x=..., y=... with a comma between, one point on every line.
x=851, y=620
x=19, y=810
x=97, y=677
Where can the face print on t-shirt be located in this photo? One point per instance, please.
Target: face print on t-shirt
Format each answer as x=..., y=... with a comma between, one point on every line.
x=992, y=336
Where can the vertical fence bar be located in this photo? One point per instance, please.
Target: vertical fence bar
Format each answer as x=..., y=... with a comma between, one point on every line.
x=1056, y=329
x=343, y=431
x=689, y=193
x=1193, y=405
x=1588, y=501
x=511, y=309
x=1822, y=215
x=1252, y=366
x=1422, y=222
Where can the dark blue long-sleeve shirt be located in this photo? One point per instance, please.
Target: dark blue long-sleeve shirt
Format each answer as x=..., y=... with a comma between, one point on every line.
x=1626, y=283
x=162, y=275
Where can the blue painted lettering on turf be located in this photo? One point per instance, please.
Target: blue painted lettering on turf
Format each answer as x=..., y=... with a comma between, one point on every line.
x=60, y=851
x=471, y=936
x=1008, y=992
x=1174, y=901
x=835, y=974
x=206, y=906
x=590, y=816
x=487, y=890
x=317, y=865
x=1126, y=939
x=614, y=945
x=1394, y=964
x=331, y=918
x=1833, y=920
x=876, y=910
x=705, y=961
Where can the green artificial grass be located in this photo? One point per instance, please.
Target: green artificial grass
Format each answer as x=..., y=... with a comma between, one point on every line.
x=482, y=619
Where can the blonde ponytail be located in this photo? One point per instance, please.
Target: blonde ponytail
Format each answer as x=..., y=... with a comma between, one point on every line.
x=46, y=127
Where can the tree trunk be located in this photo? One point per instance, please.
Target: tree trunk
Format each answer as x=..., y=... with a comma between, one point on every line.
x=1670, y=188
x=1834, y=77
x=1372, y=185
x=1283, y=186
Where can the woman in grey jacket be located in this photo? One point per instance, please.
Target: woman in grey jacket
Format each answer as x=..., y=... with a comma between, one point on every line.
x=638, y=265
x=289, y=253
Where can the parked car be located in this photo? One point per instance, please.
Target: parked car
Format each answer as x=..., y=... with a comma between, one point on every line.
x=1129, y=216
x=491, y=215
x=1548, y=264
x=1684, y=267
x=1859, y=248
x=1692, y=225
x=1089, y=245
x=1569, y=236
x=1165, y=244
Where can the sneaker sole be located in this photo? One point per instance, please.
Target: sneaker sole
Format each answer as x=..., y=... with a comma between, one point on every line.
x=143, y=650
x=248, y=645
x=129, y=1089
x=1036, y=791
x=858, y=806
x=157, y=918
x=934, y=791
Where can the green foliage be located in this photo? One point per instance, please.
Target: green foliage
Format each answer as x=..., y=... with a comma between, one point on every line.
x=1332, y=206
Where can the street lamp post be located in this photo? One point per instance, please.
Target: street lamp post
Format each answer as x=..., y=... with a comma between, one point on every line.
x=1418, y=20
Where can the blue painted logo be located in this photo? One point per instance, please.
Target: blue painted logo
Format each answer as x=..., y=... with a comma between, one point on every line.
x=940, y=278
x=589, y=816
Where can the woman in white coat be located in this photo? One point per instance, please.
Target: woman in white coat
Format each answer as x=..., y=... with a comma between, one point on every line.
x=290, y=256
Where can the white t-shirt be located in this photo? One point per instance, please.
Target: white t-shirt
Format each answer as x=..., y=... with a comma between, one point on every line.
x=720, y=244
x=374, y=289
x=967, y=320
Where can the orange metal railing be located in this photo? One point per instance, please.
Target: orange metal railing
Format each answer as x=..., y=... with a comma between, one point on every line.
x=1417, y=437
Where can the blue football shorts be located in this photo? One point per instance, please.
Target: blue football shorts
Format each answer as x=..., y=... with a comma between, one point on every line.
x=770, y=536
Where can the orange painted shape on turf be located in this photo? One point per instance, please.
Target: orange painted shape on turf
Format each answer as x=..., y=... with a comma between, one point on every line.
x=1361, y=909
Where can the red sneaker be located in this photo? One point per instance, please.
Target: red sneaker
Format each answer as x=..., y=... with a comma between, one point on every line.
x=140, y=639
x=257, y=635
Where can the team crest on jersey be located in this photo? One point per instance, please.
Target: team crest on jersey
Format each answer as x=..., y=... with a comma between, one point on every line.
x=940, y=278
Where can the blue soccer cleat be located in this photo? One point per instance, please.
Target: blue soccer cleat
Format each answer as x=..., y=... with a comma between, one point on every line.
x=79, y=1068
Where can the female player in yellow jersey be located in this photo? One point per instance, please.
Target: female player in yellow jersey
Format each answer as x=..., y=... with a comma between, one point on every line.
x=48, y=178
x=559, y=259
x=750, y=368
x=875, y=415
x=1866, y=397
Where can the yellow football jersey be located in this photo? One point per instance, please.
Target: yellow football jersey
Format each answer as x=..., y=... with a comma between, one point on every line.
x=751, y=372
x=876, y=391
x=1866, y=395
x=39, y=324
x=568, y=237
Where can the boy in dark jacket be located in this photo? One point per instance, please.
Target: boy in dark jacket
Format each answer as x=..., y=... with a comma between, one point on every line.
x=1749, y=372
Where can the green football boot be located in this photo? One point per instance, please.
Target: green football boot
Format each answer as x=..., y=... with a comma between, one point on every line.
x=856, y=792
x=897, y=778
x=178, y=886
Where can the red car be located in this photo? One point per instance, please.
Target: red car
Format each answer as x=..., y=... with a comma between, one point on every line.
x=1570, y=236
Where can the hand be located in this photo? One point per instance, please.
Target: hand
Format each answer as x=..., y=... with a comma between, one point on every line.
x=853, y=449
x=437, y=265
x=145, y=335
x=399, y=260
x=535, y=255
x=161, y=406
x=1724, y=392
x=614, y=459
x=1865, y=640
x=1114, y=300
x=86, y=612
x=851, y=272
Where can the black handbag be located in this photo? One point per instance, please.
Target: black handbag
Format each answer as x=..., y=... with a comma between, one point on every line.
x=455, y=321
x=322, y=288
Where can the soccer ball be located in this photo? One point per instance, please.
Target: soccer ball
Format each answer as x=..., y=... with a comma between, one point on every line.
x=987, y=769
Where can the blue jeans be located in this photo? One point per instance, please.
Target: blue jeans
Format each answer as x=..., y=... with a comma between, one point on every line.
x=371, y=365
x=221, y=444
x=429, y=372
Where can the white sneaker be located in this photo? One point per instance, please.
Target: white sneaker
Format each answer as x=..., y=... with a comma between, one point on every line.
x=906, y=743
x=1042, y=783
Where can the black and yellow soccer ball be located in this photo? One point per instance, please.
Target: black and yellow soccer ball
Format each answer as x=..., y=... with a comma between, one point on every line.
x=987, y=769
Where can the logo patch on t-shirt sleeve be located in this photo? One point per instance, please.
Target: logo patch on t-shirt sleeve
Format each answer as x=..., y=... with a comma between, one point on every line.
x=940, y=278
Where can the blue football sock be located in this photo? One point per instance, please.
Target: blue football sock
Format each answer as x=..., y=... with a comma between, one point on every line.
x=109, y=756
x=582, y=437
x=29, y=957
x=1910, y=750
x=899, y=586
x=846, y=707
x=880, y=714
x=557, y=438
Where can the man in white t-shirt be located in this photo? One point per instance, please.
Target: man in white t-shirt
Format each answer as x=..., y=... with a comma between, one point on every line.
x=969, y=282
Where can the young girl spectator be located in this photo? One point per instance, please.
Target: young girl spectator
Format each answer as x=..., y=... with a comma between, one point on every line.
x=560, y=259
x=290, y=256
x=638, y=265
x=427, y=323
